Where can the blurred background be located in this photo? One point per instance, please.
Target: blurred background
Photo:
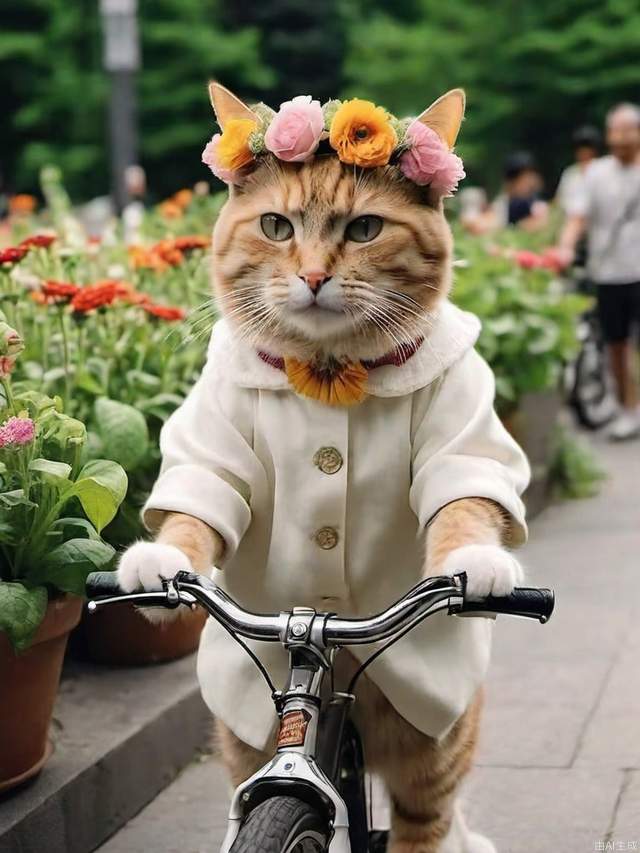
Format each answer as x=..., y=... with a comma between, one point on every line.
x=533, y=72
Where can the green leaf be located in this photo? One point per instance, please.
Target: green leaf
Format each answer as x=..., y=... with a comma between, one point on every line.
x=15, y=498
x=56, y=473
x=100, y=488
x=66, y=567
x=21, y=612
x=76, y=528
x=123, y=430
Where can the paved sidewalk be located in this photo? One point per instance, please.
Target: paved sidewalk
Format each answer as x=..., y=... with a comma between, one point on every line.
x=559, y=764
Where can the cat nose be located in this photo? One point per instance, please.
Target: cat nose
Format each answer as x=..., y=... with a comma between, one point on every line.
x=315, y=280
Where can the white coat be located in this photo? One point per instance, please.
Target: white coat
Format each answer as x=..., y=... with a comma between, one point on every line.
x=327, y=507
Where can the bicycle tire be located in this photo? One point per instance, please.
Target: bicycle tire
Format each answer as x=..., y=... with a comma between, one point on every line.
x=283, y=825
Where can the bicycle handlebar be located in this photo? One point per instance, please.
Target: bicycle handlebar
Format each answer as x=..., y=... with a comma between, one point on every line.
x=427, y=597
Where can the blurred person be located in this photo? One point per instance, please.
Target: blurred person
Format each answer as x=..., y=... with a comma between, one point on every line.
x=607, y=210
x=136, y=183
x=519, y=204
x=587, y=142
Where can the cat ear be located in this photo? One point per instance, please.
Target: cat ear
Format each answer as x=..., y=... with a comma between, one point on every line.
x=445, y=115
x=226, y=105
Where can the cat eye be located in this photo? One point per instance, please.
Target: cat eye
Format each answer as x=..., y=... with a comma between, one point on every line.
x=276, y=227
x=364, y=228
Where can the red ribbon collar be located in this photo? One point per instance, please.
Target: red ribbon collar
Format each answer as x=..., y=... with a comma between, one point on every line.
x=397, y=357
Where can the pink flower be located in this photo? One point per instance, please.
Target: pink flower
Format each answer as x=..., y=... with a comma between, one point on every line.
x=17, y=432
x=429, y=161
x=6, y=366
x=294, y=132
x=210, y=159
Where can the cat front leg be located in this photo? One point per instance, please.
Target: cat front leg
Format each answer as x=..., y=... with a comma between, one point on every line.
x=467, y=536
x=184, y=543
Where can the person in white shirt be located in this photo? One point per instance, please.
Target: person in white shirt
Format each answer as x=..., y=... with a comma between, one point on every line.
x=607, y=210
x=586, y=147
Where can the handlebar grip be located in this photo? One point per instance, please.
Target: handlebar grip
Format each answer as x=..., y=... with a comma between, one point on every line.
x=102, y=583
x=524, y=601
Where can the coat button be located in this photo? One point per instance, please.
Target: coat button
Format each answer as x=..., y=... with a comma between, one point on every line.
x=326, y=538
x=328, y=460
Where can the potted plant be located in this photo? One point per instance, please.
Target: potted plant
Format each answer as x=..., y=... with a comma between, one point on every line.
x=52, y=509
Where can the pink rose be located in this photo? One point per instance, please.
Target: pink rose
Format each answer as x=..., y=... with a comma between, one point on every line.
x=294, y=132
x=429, y=161
x=210, y=159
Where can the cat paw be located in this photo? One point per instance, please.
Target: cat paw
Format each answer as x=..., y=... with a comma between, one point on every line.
x=491, y=570
x=146, y=564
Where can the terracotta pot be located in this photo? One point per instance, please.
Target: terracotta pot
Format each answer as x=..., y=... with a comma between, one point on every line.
x=121, y=636
x=29, y=686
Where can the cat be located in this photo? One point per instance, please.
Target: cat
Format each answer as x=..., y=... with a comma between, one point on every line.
x=323, y=263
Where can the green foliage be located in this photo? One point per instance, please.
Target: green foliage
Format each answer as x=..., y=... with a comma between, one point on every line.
x=51, y=511
x=533, y=71
x=574, y=470
x=528, y=320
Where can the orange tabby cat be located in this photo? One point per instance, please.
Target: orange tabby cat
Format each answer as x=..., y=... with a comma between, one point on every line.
x=323, y=263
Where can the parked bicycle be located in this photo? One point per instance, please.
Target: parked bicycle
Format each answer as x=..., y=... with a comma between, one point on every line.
x=310, y=797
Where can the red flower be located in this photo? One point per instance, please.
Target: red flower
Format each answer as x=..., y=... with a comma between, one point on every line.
x=38, y=241
x=94, y=296
x=59, y=292
x=528, y=260
x=12, y=255
x=195, y=241
x=164, y=312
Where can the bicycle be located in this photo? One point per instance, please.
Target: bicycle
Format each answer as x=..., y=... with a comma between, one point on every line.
x=310, y=796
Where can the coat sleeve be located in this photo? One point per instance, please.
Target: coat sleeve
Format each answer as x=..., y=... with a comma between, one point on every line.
x=462, y=450
x=208, y=465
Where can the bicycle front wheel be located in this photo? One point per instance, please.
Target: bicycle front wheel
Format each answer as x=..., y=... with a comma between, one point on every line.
x=283, y=825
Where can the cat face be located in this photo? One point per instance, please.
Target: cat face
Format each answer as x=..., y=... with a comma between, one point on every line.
x=321, y=257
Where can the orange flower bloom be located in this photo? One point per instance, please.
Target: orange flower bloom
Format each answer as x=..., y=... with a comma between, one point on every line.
x=168, y=252
x=94, y=296
x=343, y=386
x=58, y=292
x=168, y=313
x=142, y=258
x=233, y=148
x=170, y=209
x=195, y=241
x=361, y=133
x=22, y=203
x=183, y=198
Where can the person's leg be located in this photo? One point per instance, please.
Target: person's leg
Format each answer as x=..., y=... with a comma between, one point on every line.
x=621, y=360
x=616, y=310
x=422, y=774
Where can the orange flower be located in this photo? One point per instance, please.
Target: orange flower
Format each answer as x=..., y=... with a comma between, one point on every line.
x=183, y=198
x=168, y=313
x=170, y=209
x=58, y=292
x=168, y=252
x=343, y=386
x=94, y=296
x=142, y=258
x=38, y=241
x=361, y=133
x=22, y=203
x=187, y=243
x=233, y=147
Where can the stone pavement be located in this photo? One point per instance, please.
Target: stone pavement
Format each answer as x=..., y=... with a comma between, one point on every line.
x=559, y=763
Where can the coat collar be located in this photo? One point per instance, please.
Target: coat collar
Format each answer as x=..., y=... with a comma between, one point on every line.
x=453, y=333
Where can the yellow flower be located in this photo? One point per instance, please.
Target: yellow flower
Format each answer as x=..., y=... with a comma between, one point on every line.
x=233, y=150
x=361, y=133
x=342, y=387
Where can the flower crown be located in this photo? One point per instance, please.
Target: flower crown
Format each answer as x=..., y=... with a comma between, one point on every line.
x=358, y=131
